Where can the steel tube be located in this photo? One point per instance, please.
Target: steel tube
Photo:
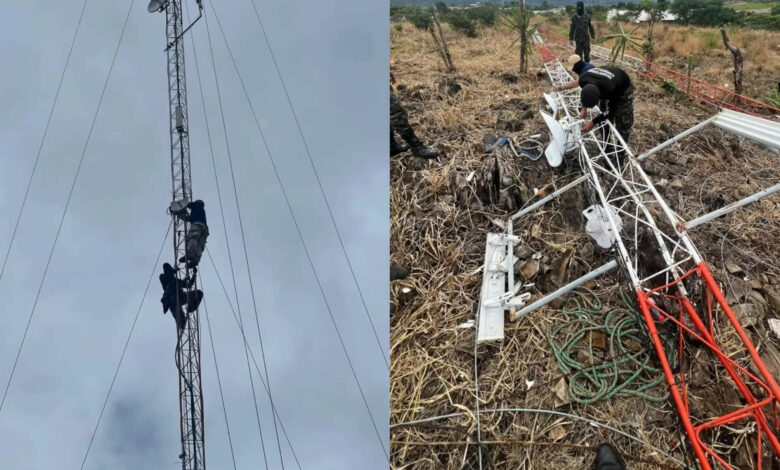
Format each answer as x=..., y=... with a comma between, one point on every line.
x=676, y=138
x=548, y=198
x=731, y=207
x=565, y=289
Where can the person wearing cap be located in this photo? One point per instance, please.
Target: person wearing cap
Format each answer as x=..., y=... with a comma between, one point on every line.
x=580, y=32
x=610, y=89
x=578, y=65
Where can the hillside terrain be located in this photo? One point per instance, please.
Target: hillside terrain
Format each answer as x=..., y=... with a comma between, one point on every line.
x=442, y=210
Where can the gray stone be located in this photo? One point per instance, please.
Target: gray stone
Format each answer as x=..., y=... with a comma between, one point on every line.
x=529, y=269
x=736, y=289
x=749, y=314
x=536, y=231
x=757, y=297
x=773, y=297
x=733, y=268
x=523, y=252
x=586, y=252
x=676, y=184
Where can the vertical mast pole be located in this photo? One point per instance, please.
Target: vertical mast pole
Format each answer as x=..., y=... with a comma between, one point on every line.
x=188, y=339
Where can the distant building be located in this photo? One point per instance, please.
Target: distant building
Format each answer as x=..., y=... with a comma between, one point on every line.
x=644, y=15
x=554, y=11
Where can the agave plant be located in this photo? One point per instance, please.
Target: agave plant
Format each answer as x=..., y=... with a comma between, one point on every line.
x=521, y=24
x=622, y=41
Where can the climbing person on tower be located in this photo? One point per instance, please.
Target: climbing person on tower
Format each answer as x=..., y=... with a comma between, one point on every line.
x=177, y=294
x=581, y=31
x=399, y=122
x=197, y=234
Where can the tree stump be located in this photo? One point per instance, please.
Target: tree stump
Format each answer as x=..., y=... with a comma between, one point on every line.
x=737, y=72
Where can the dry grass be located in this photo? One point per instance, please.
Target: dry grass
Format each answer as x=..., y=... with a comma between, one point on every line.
x=441, y=237
x=673, y=43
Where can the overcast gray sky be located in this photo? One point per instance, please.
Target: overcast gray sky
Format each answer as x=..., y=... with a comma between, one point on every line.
x=333, y=56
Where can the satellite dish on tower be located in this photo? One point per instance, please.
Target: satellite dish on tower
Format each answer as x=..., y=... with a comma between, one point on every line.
x=155, y=6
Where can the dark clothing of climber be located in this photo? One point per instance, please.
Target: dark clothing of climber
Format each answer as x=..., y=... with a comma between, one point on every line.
x=608, y=458
x=197, y=212
x=197, y=234
x=177, y=293
x=581, y=31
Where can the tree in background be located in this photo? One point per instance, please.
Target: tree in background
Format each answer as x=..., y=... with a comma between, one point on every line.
x=519, y=21
x=441, y=44
x=419, y=17
x=461, y=22
x=703, y=12
x=656, y=13
x=737, y=72
x=484, y=14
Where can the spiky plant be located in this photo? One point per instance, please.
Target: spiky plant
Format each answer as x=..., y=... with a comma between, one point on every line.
x=773, y=99
x=690, y=64
x=623, y=40
x=521, y=24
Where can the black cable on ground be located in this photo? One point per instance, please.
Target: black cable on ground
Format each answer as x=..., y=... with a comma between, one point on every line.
x=124, y=350
x=303, y=242
x=65, y=210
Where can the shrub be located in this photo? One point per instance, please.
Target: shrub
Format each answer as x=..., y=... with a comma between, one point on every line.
x=773, y=99
x=420, y=17
x=709, y=39
x=461, y=22
x=763, y=21
x=485, y=14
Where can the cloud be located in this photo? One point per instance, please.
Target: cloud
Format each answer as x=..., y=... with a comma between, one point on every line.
x=116, y=221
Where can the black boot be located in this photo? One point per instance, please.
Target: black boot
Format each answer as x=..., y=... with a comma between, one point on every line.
x=418, y=149
x=396, y=147
x=397, y=272
x=607, y=458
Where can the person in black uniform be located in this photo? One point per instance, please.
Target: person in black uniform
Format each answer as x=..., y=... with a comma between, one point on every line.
x=175, y=297
x=610, y=89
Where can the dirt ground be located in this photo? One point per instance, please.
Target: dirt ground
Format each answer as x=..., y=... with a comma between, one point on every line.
x=441, y=211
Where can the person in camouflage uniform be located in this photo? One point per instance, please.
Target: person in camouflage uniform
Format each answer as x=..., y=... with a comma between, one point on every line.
x=581, y=31
x=399, y=122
